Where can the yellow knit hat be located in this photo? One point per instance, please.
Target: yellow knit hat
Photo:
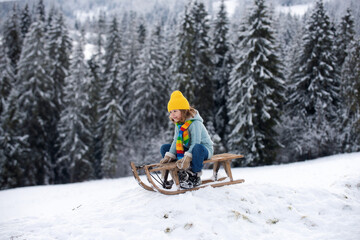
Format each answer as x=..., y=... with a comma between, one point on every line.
x=178, y=101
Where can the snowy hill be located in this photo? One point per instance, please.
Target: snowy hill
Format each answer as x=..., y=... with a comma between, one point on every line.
x=317, y=200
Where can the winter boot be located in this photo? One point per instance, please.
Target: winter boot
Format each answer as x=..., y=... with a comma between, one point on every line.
x=168, y=184
x=193, y=180
x=183, y=176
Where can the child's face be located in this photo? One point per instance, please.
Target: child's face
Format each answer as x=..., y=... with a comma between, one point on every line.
x=176, y=115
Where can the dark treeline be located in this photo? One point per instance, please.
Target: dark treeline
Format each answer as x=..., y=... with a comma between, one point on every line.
x=276, y=88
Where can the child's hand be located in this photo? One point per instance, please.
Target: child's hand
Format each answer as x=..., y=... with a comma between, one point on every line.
x=169, y=157
x=184, y=163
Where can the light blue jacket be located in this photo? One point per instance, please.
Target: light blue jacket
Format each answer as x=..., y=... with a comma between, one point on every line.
x=197, y=134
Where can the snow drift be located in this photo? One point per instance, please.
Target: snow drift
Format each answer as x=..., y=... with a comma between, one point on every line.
x=317, y=199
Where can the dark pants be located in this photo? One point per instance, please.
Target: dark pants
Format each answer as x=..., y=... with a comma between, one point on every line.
x=199, y=154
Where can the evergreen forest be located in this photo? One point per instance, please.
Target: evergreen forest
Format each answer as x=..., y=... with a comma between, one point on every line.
x=80, y=101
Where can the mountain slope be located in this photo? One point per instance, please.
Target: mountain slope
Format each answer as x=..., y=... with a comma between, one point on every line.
x=317, y=199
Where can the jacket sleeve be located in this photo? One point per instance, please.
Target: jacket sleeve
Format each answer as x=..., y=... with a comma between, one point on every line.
x=173, y=144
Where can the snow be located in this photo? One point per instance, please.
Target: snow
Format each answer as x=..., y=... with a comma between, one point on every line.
x=230, y=6
x=318, y=199
x=298, y=10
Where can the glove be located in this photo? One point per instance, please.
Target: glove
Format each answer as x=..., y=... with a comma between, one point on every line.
x=168, y=158
x=184, y=163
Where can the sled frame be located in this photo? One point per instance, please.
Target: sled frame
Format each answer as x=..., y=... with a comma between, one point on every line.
x=223, y=159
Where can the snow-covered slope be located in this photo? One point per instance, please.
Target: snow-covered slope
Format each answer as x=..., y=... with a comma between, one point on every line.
x=317, y=200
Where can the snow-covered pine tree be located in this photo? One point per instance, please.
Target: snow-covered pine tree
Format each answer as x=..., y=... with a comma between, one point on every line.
x=112, y=114
x=7, y=78
x=256, y=90
x=59, y=49
x=131, y=48
x=203, y=72
x=112, y=55
x=170, y=30
x=73, y=164
x=95, y=90
x=12, y=38
x=223, y=64
x=148, y=115
x=314, y=98
x=101, y=28
x=351, y=95
x=112, y=45
x=113, y=160
x=289, y=37
x=183, y=63
x=97, y=79
x=34, y=106
x=11, y=146
x=345, y=37
x=194, y=70
x=13, y=153
x=141, y=30
x=25, y=21
x=40, y=11
x=51, y=15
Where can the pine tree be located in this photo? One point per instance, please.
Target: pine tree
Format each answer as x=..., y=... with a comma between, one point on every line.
x=74, y=162
x=25, y=21
x=112, y=112
x=131, y=48
x=345, y=37
x=194, y=70
x=351, y=95
x=97, y=79
x=7, y=78
x=151, y=92
x=12, y=38
x=256, y=90
x=151, y=85
x=59, y=49
x=314, y=98
x=95, y=90
x=13, y=153
x=289, y=37
x=113, y=45
x=141, y=33
x=203, y=73
x=34, y=106
x=223, y=64
x=113, y=137
x=101, y=30
x=184, y=58
x=12, y=147
x=40, y=11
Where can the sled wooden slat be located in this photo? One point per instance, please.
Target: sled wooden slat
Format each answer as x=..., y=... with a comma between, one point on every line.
x=219, y=159
x=216, y=158
x=227, y=183
x=136, y=175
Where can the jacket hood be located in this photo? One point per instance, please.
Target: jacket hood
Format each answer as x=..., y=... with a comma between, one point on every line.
x=197, y=117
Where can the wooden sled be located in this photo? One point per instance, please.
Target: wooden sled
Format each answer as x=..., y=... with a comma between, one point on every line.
x=156, y=185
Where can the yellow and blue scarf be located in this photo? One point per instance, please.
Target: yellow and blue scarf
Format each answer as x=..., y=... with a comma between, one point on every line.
x=183, y=138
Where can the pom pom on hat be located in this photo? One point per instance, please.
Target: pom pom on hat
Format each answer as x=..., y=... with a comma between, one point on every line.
x=178, y=101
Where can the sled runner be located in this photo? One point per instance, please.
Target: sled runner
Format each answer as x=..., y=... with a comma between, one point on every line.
x=157, y=184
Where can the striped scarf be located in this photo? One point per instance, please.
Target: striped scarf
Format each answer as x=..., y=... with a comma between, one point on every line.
x=183, y=138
